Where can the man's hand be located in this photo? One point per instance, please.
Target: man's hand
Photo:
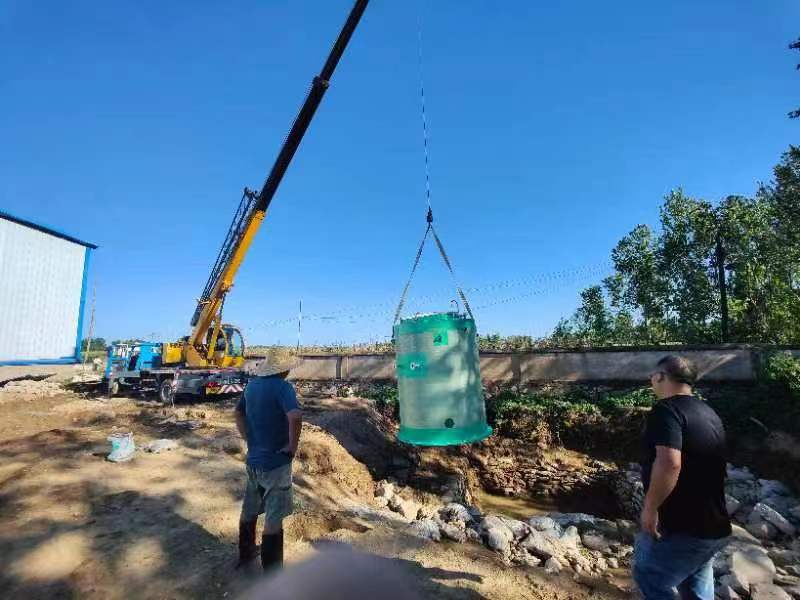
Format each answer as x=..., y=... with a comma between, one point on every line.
x=650, y=521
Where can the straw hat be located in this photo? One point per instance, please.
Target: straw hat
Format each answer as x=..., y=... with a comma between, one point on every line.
x=277, y=361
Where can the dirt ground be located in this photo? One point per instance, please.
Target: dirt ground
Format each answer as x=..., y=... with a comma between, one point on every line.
x=164, y=525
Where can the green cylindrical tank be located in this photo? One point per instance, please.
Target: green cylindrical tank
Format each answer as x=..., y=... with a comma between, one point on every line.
x=439, y=381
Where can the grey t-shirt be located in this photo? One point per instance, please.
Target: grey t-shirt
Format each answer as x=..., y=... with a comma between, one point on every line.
x=264, y=403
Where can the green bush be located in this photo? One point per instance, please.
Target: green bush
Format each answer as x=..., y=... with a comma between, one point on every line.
x=641, y=398
x=385, y=397
x=783, y=371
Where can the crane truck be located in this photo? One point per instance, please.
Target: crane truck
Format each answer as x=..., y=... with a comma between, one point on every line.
x=210, y=360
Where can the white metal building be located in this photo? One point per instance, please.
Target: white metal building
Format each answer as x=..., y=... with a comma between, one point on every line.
x=42, y=293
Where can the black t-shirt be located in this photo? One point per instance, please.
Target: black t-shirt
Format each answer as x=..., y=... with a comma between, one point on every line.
x=696, y=506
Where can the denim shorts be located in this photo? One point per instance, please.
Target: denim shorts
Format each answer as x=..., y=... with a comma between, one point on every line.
x=268, y=491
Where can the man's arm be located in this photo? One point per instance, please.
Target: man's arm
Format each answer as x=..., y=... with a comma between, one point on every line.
x=241, y=424
x=241, y=419
x=295, y=418
x=663, y=479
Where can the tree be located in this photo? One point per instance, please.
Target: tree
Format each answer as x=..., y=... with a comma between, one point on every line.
x=687, y=244
x=782, y=199
x=594, y=321
x=638, y=286
x=729, y=272
x=93, y=344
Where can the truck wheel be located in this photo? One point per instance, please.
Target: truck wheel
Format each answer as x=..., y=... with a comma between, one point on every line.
x=165, y=393
x=112, y=388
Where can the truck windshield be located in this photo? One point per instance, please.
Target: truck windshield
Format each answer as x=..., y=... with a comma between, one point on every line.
x=235, y=342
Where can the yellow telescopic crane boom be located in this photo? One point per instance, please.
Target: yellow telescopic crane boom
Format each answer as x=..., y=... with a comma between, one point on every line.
x=211, y=341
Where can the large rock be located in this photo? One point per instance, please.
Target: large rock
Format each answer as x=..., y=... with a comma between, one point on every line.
x=453, y=532
x=767, y=591
x=384, y=489
x=553, y=566
x=472, y=534
x=626, y=530
x=793, y=591
x=771, y=487
x=542, y=546
x=739, y=474
x=784, y=557
x=407, y=508
x=426, y=529
x=749, y=565
x=773, y=517
x=570, y=538
x=732, y=504
x=520, y=556
x=543, y=523
x=455, y=512
x=519, y=528
x=745, y=491
x=595, y=541
x=738, y=585
x=783, y=504
x=760, y=527
x=498, y=540
x=726, y=592
x=500, y=531
x=787, y=580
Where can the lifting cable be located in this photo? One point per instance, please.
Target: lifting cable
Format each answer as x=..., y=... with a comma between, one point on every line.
x=429, y=218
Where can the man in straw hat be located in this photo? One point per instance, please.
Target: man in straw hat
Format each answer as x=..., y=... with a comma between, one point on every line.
x=269, y=419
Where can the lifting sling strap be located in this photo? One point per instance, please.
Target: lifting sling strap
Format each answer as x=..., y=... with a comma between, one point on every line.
x=431, y=230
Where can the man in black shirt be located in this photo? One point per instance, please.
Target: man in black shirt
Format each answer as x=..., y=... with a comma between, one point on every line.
x=684, y=519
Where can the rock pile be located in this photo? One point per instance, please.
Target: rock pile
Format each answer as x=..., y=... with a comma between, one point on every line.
x=30, y=389
x=515, y=472
x=582, y=543
x=762, y=560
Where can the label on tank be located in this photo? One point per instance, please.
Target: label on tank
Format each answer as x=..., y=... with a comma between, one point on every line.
x=440, y=338
x=412, y=365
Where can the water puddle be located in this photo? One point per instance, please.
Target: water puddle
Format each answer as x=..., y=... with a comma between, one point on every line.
x=516, y=507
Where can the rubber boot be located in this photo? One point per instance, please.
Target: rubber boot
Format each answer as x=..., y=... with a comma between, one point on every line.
x=247, y=542
x=272, y=551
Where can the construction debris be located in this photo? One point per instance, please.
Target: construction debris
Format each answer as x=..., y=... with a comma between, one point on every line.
x=122, y=447
x=158, y=446
x=30, y=389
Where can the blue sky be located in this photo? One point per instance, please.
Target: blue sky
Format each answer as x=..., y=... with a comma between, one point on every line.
x=554, y=129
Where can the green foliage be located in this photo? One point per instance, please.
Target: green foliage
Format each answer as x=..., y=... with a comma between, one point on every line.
x=783, y=371
x=560, y=408
x=93, y=344
x=667, y=288
x=495, y=342
x=385, y=397
x=640, y=398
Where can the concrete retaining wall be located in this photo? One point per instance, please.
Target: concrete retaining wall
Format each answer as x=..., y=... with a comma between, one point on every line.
x=728, y=363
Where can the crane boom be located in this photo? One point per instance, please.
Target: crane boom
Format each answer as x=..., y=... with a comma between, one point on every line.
x=199, y=349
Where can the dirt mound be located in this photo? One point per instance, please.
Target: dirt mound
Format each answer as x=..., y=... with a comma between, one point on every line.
x=326, y=475
x=30, y=389
x=360, y=429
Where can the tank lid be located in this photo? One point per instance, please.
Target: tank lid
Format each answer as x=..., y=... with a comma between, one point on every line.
x=426, y=322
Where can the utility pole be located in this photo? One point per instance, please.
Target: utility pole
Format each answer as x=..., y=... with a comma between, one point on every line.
x=91, y=328
x=299, y=324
